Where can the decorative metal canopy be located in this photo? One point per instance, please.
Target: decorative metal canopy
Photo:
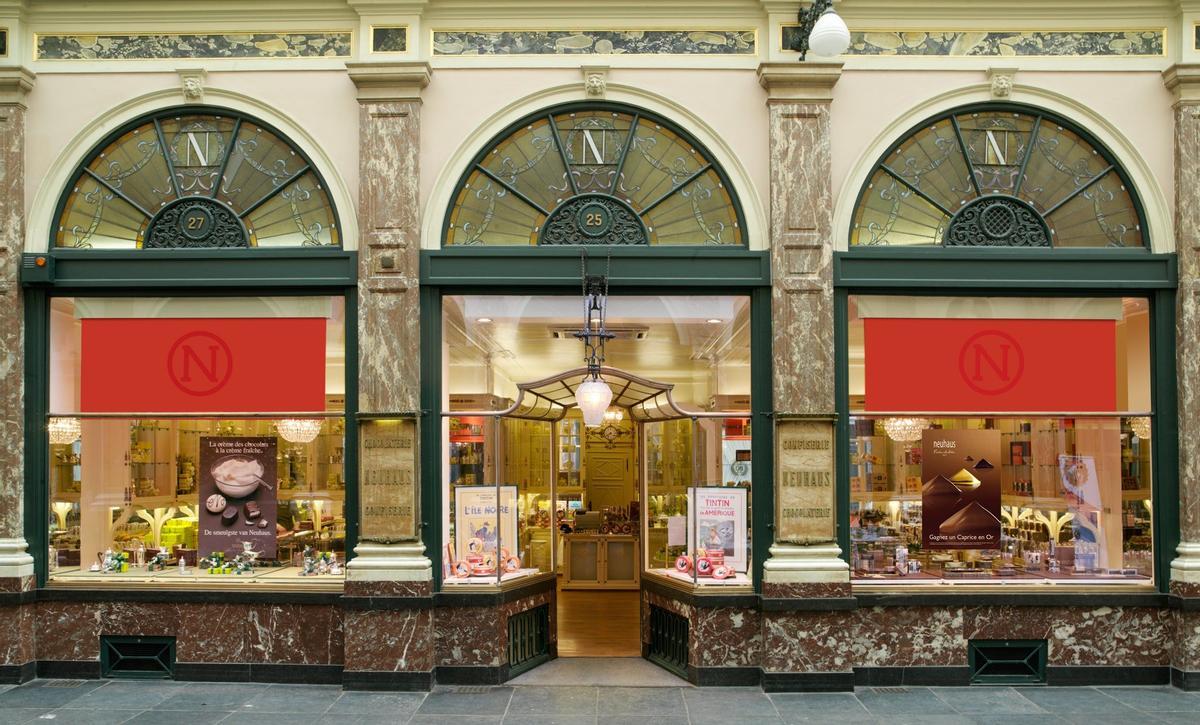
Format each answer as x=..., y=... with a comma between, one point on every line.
x=594, y=174
x=549, y=399
x=196, y=178
x=998, y=176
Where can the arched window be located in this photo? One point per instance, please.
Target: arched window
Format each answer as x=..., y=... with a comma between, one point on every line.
x=594, y=174
x=998, y=176
x=198, y=178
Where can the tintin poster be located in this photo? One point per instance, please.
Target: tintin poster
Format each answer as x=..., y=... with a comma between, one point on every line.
x=960, y=494
x=238, y=494
x=720, y=518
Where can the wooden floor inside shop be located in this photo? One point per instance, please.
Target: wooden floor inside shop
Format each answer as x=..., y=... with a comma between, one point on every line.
x=597, y=623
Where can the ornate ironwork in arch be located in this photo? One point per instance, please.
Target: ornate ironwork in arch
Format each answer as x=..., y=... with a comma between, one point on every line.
x=998, y=175
x=196, y=177
x=591, y=173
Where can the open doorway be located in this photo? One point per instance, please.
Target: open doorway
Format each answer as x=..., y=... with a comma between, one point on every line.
x=596, y=508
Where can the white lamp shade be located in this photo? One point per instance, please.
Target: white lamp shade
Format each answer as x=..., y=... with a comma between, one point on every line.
x=593, y=397
x=298, y=430
x=830, y=36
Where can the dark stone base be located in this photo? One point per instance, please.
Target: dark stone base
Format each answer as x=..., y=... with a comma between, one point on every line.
x=914, y=676
x=407, y=681
x=273, y=673
x=808, y=681
x=454, y=675
x=1108, y=675
x=724, y=676
x=17, y=674
x=1185, y=680
x=69, y=669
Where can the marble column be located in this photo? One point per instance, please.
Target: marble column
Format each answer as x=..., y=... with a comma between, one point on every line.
x=801, y=239
x=1184, y=82
x=16, y=565
x=388, y=623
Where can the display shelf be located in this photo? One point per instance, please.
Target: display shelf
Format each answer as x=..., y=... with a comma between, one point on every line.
x=883, y=497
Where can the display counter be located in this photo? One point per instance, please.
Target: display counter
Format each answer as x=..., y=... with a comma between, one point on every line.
x=600, y=561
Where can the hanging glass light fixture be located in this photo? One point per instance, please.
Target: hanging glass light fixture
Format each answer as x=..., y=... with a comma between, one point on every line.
x=299, y=430
x=905, y=430
x=1140, y=425
x=593, y=394
x=63, y=431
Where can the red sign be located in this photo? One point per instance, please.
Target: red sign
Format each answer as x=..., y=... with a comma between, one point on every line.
x=226, y=365
x=974, y=365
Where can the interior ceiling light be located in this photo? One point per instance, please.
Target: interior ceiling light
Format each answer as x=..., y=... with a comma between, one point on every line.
x=714, y=321
x=299, y=430
x=593, y=395
x=63, y=431
x=1140, y=425
x=905, y=430
x=483, y=320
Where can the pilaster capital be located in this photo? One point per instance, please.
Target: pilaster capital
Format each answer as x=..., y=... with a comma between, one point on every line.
x=1183, y=80
x=807, y=82
x=15, y=84
x=383, y=82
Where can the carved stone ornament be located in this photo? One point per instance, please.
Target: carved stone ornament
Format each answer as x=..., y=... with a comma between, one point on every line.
x=595, y=81
x=192, y=84
x=594, y=219
x=997, y=222
x=1002, y=81
x=195, y=223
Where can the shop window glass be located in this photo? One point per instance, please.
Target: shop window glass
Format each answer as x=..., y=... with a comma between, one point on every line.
x=596, y=176
x=982, y=177
x=601, y=505
x=213, y=179
x=1000, y=440
x=157, y=475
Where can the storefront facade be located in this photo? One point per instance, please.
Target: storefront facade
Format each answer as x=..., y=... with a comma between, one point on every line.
x=898, y=344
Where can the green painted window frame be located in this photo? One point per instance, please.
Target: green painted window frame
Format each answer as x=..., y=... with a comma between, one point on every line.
x=1026, y=273
x=176, y=273
x=684, y=270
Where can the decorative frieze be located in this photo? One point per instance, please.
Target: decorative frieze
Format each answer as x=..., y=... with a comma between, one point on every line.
x=151, y=46
x=1028, y=43
x=389, y=39
x=739, y=41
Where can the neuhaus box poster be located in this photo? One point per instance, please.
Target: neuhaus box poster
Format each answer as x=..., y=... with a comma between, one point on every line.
x=238, y=485
x=960, y=495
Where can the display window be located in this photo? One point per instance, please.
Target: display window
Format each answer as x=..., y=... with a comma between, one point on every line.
x=197, y=441
x=1000, y=440
x=663, y=477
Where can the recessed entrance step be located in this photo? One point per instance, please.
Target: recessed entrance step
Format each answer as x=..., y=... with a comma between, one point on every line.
x=600, y=671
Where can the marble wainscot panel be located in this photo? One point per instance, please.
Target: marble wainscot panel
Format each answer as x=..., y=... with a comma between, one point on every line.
x=1185, y=589
x=78, y=46
x=1081, y=636
x=1001, y=43
x=467, y=637
x=236, y=633
x=16, y=584
x=726, y=637
x=388, y=588
x=599, y=42
x=389, y=641
x=1185, y=650
x=805, y=590
x=389, y=40
x=872, y=637
x=16, y=636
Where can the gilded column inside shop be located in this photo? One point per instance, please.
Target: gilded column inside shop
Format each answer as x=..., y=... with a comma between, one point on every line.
x=15, y=83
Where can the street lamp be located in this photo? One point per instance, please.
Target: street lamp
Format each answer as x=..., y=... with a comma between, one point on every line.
x=821, y=30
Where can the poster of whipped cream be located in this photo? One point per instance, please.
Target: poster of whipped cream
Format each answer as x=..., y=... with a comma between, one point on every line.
x=960, y=492
x=238, y=493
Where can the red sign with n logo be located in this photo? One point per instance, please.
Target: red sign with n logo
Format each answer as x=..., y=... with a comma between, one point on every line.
x=206, y=365
x=976, y=365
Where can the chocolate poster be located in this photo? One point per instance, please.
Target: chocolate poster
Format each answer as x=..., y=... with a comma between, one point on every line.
x=238, y=485
x=960, y=491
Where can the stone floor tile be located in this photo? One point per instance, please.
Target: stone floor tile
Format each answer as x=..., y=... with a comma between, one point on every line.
x=179, y=717
x=887, y=702
x=312, y=700
x=389, y=704
x=211, y=695
x=1154, y=699
x=986, y=700
x=640, y=701
x=489, y=701
x=574, y=701
x=91, y=717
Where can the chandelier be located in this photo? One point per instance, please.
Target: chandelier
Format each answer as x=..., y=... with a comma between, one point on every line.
x=1140, y=425
x=593, y=394
x=63, y=431
x=905, y=430
x=299, y=430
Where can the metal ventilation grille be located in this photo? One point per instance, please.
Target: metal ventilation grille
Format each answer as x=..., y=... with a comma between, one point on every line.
x=138, y=658
x=1007, y=661
x=668, y=640
x=528, y=639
